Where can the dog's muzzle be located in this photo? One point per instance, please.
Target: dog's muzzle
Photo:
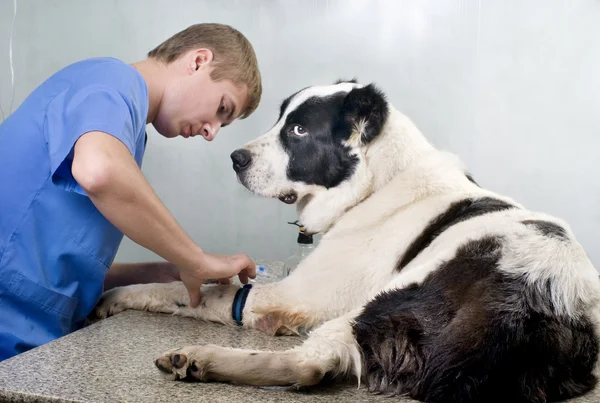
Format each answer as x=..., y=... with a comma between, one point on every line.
x=242, y=159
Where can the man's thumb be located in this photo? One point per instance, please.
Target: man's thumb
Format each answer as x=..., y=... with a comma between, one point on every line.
x=195, y=295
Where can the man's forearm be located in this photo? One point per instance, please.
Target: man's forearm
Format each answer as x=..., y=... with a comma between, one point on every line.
x=117, y=187
x=122, y=274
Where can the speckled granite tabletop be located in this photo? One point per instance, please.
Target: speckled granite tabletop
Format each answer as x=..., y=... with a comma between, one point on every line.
x=112, y=361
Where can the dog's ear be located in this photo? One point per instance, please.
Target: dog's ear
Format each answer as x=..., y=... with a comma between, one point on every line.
x=362, y=116
x=342, y=80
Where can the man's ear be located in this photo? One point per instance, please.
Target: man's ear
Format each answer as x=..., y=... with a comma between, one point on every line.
x=202, y=57
x=363, y=114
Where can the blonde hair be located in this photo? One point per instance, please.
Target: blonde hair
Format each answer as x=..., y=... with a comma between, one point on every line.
x=233, y=56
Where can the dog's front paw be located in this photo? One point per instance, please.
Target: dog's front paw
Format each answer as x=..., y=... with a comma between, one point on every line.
x=189, y=363
x=111, y=303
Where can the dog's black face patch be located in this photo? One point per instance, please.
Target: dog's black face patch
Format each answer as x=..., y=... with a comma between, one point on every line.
x=286, y=103
x=316, y=156
x=315, y=135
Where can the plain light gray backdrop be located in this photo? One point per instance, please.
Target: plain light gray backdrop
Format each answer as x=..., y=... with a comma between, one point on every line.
x=513, y=87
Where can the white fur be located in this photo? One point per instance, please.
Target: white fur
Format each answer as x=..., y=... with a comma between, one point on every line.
x=401, y=183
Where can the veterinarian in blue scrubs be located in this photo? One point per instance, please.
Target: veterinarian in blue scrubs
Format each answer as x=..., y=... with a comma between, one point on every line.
x=71, y=183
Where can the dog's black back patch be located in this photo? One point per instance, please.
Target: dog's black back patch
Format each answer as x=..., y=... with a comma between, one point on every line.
x=457, y=212
x=547, y=228
x=470, y=178
x=341, y=80
x=471, y=333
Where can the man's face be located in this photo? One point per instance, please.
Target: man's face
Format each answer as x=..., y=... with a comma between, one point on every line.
x=193, y=104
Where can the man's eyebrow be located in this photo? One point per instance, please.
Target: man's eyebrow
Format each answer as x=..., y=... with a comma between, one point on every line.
x=231, y=110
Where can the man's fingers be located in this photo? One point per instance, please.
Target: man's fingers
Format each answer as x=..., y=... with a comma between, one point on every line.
x=195, y=295
x=243, y=264
x=225, y=281
x=243, y=277
x=251, y=272
x=249, y=267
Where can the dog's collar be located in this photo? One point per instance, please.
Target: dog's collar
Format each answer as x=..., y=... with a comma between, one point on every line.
x=239, y=301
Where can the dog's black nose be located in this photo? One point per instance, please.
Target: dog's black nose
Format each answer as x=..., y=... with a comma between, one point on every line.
x=241, y=159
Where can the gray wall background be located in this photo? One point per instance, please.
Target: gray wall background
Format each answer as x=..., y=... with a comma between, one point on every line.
x=512, y=86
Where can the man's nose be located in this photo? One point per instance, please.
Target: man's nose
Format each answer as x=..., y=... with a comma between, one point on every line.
x=210, y=132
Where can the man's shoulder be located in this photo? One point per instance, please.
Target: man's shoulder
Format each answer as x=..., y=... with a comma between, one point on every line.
x=94, y=90
x=99, y=78
x=103, y=71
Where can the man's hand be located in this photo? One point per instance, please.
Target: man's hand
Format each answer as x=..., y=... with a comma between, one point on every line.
x=216, y=267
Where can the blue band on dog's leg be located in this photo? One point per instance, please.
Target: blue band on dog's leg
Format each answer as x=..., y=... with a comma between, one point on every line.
x=239, y=301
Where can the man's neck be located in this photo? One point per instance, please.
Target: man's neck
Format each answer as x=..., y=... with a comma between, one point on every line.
x=156, y=76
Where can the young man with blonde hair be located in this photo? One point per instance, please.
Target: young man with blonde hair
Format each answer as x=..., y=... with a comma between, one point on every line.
x=72, y=184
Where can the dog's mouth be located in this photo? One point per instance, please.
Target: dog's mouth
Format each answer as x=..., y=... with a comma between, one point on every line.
x=288, y=198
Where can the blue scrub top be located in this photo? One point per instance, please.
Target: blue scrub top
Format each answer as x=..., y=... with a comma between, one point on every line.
x=55, y=246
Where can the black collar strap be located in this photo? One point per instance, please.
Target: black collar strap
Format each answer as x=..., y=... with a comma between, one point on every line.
x=239, y=301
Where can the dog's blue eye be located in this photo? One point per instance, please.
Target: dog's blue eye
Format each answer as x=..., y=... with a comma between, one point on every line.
x=299, y=130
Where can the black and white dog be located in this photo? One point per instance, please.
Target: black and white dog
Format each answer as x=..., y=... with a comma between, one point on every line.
x=424, y=284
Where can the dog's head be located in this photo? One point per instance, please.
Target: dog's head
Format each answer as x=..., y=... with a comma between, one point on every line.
x=314, y=155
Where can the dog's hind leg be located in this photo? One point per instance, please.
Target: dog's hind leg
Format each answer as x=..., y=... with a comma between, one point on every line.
x=330, y=349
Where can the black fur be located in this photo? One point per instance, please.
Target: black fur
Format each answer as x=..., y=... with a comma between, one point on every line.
x=320, y=157
x=286, y=102
x=456, y=213
x=547, y=228
x=366, y=104
x=470, y=333
x=317, y=157
x=341, y=80
x=284, y=105
x=470, y=178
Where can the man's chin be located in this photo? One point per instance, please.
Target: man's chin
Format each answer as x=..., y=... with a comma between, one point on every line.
x=167, y=133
